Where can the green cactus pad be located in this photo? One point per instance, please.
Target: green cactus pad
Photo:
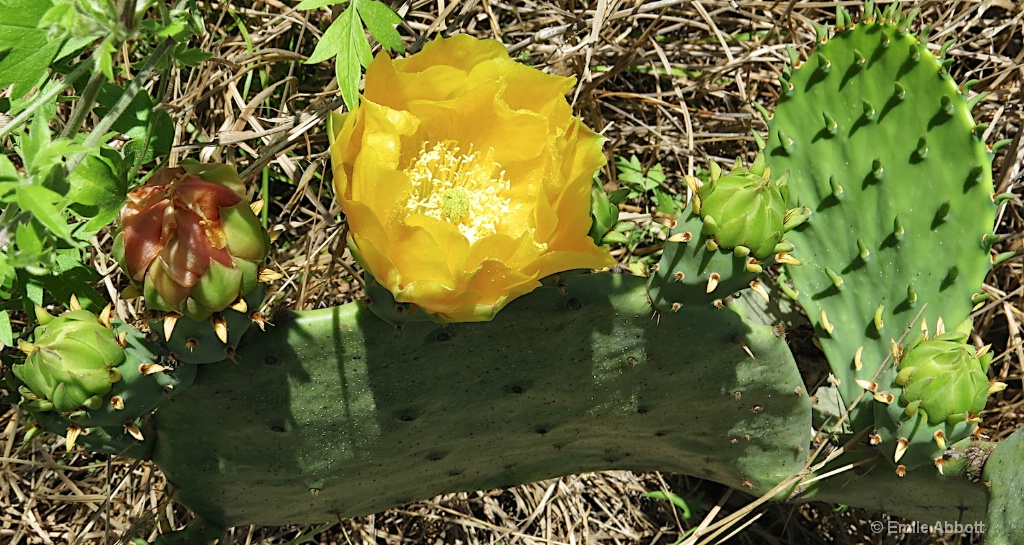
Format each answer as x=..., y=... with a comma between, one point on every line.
x=731, y=232
x=339, y=414
x=113, y=440
x=1004, y=475
x=897, y=179
x=689, y=275
x=196, y=342
x=919, y=496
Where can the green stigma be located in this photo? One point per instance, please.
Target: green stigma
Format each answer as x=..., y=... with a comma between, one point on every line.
x=455, y=204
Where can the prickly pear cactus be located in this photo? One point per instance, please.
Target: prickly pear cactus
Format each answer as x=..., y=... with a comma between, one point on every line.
x=881, y=146
x=340, y=414
x=733, y=230
x=200, y=342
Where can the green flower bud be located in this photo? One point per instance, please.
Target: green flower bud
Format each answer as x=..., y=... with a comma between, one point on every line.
x=745, y=208
x=944, y=378
x=71, y=364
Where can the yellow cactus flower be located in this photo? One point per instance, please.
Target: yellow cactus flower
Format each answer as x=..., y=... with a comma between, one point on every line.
x=465, y=178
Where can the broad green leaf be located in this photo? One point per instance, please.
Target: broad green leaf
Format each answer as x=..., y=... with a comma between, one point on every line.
x=25, y=51
x=95, y=183
x=190, y=57
x=33, y=293
x=32, y=143
x=134, y=123
x=7, y=169
x=8, y=191
x=316, y=4
x=74, y=45
x=618, y=196
x=178, y=30
x=40, y=202
x=381, y=21
x=28, y=240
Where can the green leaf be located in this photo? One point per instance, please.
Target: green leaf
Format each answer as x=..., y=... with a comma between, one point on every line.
x=381, y=21
x=105, y=58
x=316, y=4
x=7, y=277
x=95, y=183
x=655, y=175
x=28, y=240
x=6, y=335
x=34, y=293
x=40, y=202
x=618, y=196
x=665, y=202
x=78, y=281
x=353, y=54
x=178, y=30
x=346, y=39
x=7, y=169
x=134, y=123
x=186, y=56
x=25, y=51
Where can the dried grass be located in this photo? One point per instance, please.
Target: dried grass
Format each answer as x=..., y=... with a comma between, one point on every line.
x=256, y=105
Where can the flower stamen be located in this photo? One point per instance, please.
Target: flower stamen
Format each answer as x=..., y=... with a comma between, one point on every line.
x=466, y=189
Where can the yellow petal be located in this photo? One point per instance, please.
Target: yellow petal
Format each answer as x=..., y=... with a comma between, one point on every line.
x=445, y=235
x=459, y=51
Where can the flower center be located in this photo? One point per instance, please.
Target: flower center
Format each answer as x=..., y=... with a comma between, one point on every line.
x=466, y=189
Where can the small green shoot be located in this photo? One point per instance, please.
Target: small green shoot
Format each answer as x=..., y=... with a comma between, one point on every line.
x=641, y=184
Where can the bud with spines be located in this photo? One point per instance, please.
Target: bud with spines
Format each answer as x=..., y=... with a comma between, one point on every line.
x=731, y=233
x=190, y=240
x=70, y=365
x=745, y=210
x=939, y=392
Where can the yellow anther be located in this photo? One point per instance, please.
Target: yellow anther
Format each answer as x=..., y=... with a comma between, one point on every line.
x=467, y=189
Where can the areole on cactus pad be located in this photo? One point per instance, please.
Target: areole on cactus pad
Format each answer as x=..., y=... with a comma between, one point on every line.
x=190, y=240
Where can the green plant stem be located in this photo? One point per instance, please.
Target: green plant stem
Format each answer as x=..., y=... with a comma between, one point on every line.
x=99, y=133
x=84, y=106
x=47, y=96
